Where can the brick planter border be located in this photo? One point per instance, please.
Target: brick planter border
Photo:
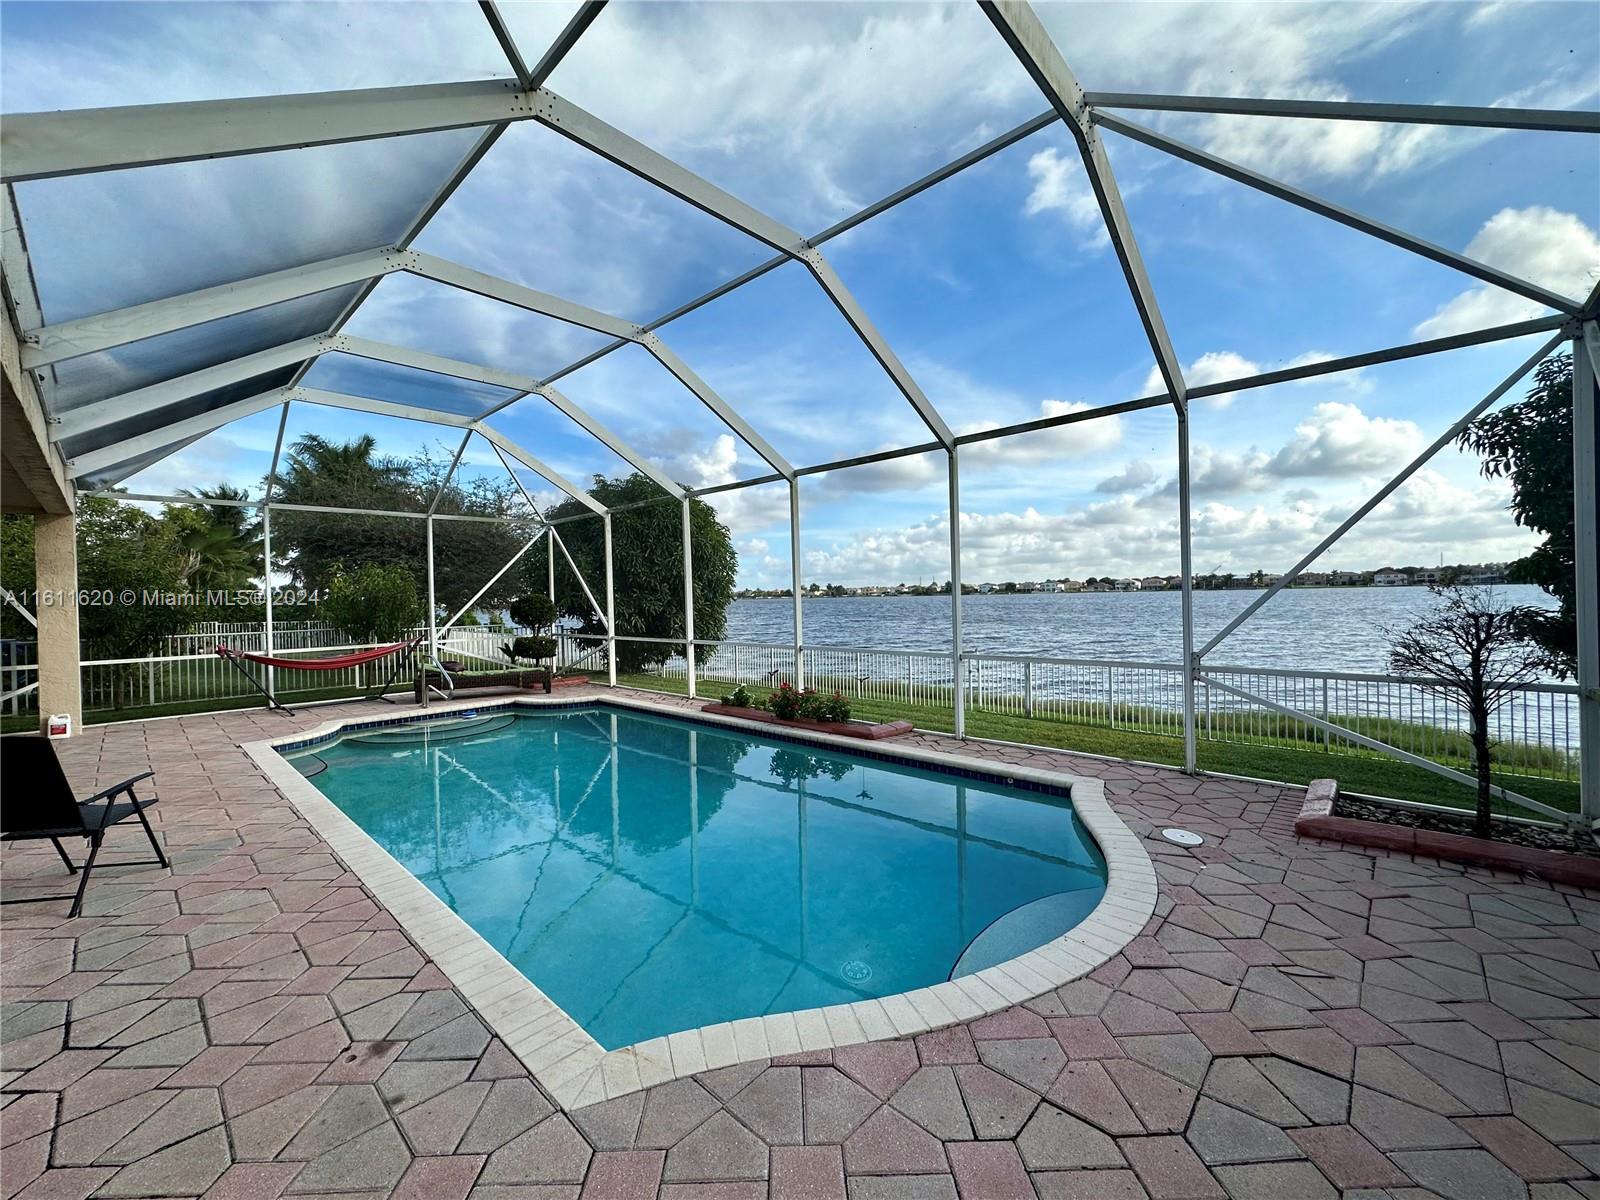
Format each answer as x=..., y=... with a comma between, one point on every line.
x=1316, y=820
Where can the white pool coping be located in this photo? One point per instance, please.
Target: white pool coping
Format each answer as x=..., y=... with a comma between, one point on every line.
x=576, y=1070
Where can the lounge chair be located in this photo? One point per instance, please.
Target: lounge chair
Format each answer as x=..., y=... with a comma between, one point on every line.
x=38, y=803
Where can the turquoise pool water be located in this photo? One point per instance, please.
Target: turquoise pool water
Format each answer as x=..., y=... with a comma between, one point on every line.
x=652, y=874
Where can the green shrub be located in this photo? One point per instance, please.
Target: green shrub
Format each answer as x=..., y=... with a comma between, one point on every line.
x=529, y=649
x=533, y=611
x=784, y=703
x=740, y=697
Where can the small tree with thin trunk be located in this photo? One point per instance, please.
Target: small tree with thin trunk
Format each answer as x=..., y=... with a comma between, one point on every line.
x=1475, y=653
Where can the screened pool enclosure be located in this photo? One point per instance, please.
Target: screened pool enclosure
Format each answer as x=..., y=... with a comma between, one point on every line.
x=157, y=298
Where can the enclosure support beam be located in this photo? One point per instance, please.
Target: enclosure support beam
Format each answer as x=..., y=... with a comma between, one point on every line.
x=688, y=598
x=1191, y=664
x=444, y=483
x=433, y=602
x=266, y=587
x=1336, y=212
x=796, y=582
x=55, y=561
x=1023, y=32
x=958, y=665
x=611, y=604
x=493, y=579
x=1552, y=119
x=1586, y=544
x=1383, y=493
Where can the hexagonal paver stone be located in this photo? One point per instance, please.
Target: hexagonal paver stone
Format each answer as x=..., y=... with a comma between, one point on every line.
x=1462, y=1174
x=186, y=1169
x=998, y=1107
x=721, y=1149
x=551, y=1152
x=374, y=1161
x=770, y=1105
x=1220, y=1134
x=932, y=1099
x=1055, y=1141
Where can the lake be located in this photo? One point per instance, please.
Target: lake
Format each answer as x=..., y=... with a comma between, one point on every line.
x=1331, y=629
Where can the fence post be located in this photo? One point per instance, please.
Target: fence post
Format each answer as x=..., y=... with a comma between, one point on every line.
x=152, y=674
x=957, y=665
x=1027, y=688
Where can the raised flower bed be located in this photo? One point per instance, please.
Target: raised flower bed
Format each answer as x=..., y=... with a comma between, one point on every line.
x=825, y=713
x=1322, y=816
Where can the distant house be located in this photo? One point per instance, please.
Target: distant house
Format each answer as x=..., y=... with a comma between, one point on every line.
x=1126, y=585
x=1389, y=577
x=985, y=588
x=1427, y=575
x=1069, y=585
x=1153, y=583
x=1097, y=586
x=1487, y=573
x=1313, y=579
x=1345, y=578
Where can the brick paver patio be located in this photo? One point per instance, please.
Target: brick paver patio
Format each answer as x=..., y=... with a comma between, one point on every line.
x=1299, y=1020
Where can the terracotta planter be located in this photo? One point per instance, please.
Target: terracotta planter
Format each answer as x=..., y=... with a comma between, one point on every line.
x=851, y=729
x=1316, y=820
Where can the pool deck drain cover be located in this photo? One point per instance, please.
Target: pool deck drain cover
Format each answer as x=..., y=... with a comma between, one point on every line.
x=856, y=971
x=1183, y=837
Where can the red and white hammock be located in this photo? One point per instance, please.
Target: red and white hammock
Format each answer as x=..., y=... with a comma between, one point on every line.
x=335, y=662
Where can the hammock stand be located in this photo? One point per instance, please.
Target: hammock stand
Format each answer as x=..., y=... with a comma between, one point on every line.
x=337, y=662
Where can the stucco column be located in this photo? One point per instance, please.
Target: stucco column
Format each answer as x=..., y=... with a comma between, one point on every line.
x=55, y=560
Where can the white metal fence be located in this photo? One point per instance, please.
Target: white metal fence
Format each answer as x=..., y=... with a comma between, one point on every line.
x=1536, y=734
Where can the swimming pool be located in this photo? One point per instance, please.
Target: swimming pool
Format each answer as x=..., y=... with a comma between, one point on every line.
x=652, y=874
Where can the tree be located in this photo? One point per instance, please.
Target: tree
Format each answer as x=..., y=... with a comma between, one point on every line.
x=648, y=548
x=1530, y=444
x=221, y=542
x=315, y=546
x=1475, y=653
x=374, y=603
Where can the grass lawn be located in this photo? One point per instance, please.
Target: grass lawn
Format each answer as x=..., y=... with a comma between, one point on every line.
x=1369, y=774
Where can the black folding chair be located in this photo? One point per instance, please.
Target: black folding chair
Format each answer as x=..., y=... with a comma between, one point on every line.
x=38, y=803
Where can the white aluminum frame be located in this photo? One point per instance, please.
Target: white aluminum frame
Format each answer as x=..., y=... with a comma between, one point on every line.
x=46, y=145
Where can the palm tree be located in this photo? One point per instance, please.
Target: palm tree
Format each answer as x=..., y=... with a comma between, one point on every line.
x=221, y=542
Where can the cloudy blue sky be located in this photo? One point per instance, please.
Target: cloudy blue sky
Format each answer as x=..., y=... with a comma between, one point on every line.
x=998, y=288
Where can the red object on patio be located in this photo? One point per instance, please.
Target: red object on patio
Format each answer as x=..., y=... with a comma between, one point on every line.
x=333, y=663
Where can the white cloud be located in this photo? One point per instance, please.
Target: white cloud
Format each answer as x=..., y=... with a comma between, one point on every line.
x=1339, y=439
x=1079, y=439
x=1059, y=186
x=1554, y=249
x=1135, y=476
